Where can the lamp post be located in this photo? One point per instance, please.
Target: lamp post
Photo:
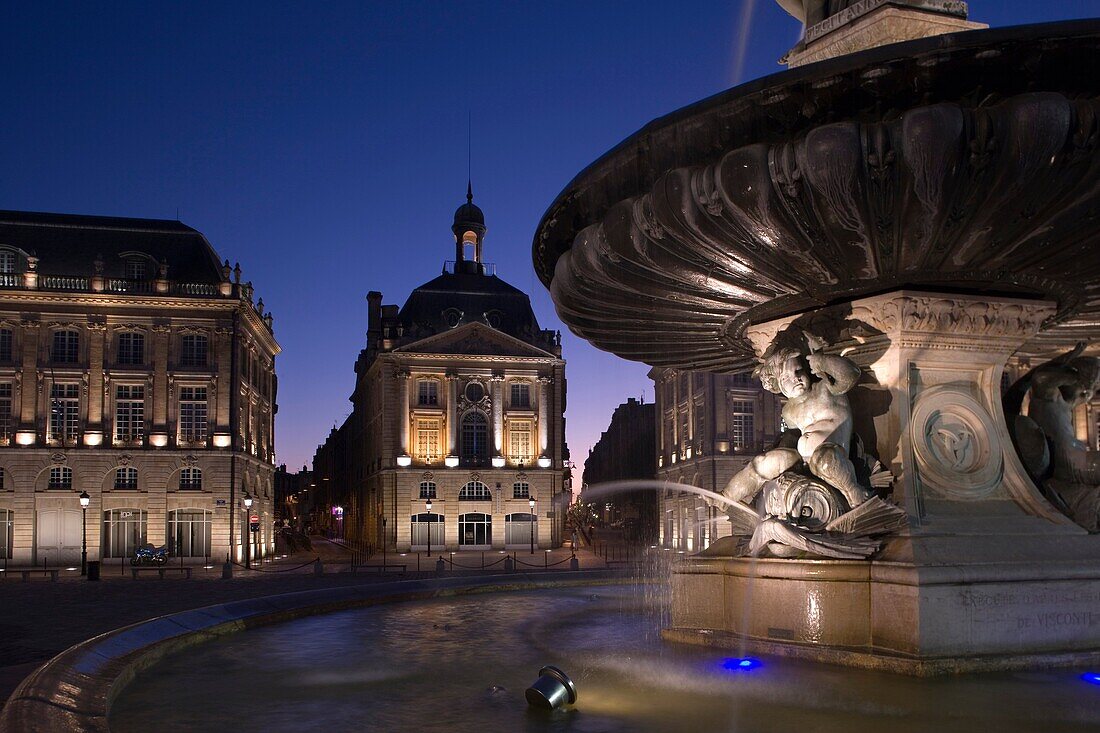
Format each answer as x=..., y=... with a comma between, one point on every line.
x=383, y=544
x=248, y=544
x=429, y=523
x=85, y=500
x=531, y=501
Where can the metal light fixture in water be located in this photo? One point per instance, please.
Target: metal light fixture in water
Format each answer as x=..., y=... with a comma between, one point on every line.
x=551, y=690
x=740, y=664
x=1092, y=678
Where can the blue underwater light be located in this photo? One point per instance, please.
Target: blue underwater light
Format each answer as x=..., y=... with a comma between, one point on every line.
x=1093, y=678
x=740, y=664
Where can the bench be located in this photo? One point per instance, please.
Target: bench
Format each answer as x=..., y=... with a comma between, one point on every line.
x=186, y=570
x=27, y=573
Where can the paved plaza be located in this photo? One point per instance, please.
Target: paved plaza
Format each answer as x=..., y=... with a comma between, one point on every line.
x=52, y=616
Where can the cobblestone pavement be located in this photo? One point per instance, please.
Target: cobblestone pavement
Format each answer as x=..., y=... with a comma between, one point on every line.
x=43, y=618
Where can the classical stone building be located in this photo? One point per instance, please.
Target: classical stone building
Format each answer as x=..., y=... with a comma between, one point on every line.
x=459, y=400
x=708, y=427
x=135, y=367
x=627, y=450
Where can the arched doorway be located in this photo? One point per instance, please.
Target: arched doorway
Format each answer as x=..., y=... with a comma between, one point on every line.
x=475, y=531
x=124, y=530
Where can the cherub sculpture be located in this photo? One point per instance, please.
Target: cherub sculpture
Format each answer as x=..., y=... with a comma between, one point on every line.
x=1066, y=469
x=814, y=496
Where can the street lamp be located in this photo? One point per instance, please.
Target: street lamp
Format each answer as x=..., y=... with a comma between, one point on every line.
x=531, y=501
x=85, y=500
x=248, y=544
x=429, y=505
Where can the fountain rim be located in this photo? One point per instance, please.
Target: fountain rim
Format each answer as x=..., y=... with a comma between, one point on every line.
x=548, y=249
x=73, y=692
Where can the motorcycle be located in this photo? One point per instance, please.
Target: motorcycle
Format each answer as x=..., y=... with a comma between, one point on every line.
x=149, y=555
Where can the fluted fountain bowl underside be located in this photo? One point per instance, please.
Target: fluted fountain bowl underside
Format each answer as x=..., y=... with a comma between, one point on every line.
x=961, y=163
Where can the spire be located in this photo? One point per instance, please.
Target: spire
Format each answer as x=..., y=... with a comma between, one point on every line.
x=469, y=191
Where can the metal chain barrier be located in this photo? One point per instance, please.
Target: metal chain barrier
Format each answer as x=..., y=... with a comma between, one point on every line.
x=283, y=570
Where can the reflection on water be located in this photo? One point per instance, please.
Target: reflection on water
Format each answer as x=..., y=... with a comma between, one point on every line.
x=462, y=665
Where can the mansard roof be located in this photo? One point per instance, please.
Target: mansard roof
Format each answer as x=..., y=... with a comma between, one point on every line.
x=68, y=244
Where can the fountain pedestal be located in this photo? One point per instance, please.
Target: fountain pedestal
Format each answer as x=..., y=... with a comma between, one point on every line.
x=987, y=575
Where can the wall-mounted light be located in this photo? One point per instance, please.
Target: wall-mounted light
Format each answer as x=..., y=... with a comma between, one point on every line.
x=498, y=461
x=404, y=460
x=93, y=438
x=158, y=440
x=25, y=437
x=450, y=461
x=221, y=440
x=544, y=462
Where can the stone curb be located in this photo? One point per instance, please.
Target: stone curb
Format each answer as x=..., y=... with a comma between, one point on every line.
x=73, y=692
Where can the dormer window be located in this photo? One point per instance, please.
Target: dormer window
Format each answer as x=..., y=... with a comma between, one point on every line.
x=452, y=317
x=136, y=269
x=7, y=262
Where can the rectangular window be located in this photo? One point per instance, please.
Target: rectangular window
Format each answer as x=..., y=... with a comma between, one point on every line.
x=64, y=412
x=192, y=416
x=741, y=424
x=427, y=489
x=427, y=392
x=5, y=345
x=66, y=347
x=129, y=413
x=193, y=351
x=427, y=439
x=521, y=490
x=5, y=411
x=7, y=261
x=521, y=395
x=135, y=269
x=519, y=440
x=131, y=348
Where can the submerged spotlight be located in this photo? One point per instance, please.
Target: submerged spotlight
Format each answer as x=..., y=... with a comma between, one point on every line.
x=1093, y=678
x=740, y=664
x=551, y=690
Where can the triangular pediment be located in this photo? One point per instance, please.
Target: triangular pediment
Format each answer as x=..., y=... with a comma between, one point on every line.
x=474, y=339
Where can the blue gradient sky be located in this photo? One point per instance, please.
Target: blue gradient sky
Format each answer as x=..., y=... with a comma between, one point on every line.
x=324, y=145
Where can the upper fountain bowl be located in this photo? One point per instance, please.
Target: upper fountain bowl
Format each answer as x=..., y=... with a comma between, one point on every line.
x=959, y=163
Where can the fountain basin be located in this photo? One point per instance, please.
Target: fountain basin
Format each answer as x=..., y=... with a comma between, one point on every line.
x=891, y=616
x=960, y=163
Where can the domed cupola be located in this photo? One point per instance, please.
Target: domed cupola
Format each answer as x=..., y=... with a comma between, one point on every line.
x=469, y=229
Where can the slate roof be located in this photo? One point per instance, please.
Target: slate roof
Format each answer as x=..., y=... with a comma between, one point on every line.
x=67, y=244
x=474, y=296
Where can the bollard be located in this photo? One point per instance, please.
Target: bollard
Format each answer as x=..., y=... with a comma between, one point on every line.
x=509, y=566
x=574, y=563
x=440, y=566
x=93, y=570
x=318, y=567
x=227, y=570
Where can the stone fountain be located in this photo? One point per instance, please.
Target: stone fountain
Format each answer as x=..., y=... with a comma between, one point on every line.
x=884, y=229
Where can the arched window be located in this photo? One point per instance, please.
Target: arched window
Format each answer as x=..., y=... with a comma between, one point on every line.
x=61, y=477
x=191, y=479
x=427, y=489
x=123, y=531
x=475, y=491
x=7, y=262
x=520, y=529
x=189, y=532
x=521, y=490
x=136, y=268
x=126, y=478
x=6, y=535
x=475, y=439
x=424, y=525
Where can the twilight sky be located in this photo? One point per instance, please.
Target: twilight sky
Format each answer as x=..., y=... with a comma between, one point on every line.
x=324, y=144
